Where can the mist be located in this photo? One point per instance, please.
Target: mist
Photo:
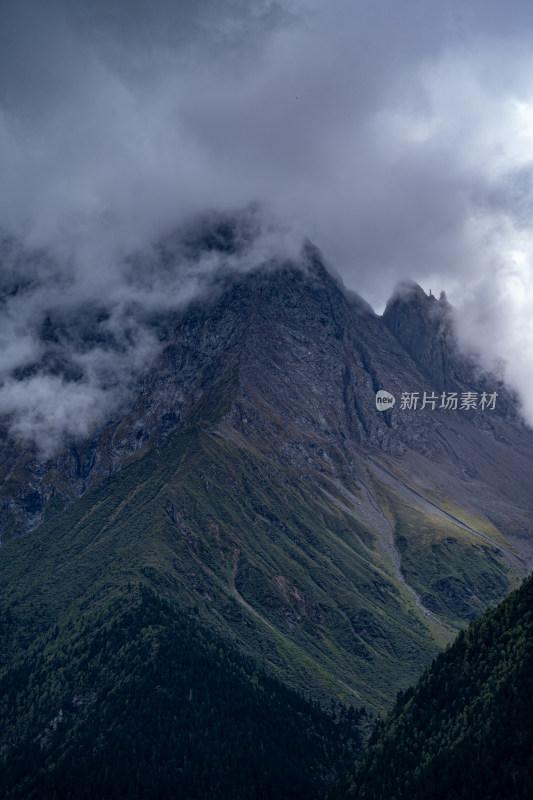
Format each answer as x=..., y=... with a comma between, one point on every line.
x=397, y=137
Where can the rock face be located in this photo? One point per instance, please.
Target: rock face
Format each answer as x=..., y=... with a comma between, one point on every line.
x=324, y=536
x=422, y=325
x=305, y=358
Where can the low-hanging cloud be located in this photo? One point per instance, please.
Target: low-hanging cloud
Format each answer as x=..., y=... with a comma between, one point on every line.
x=395, y=136
x=73, y=343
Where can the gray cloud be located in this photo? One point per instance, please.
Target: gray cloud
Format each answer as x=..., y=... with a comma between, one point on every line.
x=73, y=343
x=397, y=136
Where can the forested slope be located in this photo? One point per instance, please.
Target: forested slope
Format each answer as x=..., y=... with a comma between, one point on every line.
x=137, y=700
x=466, y=729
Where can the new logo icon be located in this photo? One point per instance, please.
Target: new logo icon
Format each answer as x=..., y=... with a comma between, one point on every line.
x=384, y=400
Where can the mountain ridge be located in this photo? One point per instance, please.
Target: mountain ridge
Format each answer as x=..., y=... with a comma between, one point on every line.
x=39, y=485
x=349, y=539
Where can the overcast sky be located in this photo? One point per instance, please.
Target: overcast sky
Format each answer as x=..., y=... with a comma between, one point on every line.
x=396, y=134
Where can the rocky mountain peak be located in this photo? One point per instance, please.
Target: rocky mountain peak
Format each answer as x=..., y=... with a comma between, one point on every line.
x=409, y=301
x=295, y=361
x=424, y=327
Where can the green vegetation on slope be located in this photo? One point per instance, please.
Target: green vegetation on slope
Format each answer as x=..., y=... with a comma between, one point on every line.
x=256, y=548
x=271, y=558
x=466, y=729
x=138, y=700
x=456, y=573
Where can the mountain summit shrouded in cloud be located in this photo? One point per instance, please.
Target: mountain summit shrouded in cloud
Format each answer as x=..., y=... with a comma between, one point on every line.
x=396, y=136
x=75, y=341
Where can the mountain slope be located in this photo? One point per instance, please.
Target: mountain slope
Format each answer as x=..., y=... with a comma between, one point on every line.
x=254, y=479
x=466, y=729
x=135, y=699
x=266, y=560
x=253, y=487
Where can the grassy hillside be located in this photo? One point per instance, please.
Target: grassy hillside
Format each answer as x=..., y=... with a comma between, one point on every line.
x=271, y=559
x=456, y=571
x=466, y=729
x=266, y=560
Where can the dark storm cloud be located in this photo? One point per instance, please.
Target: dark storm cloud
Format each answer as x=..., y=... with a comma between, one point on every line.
x=397, y=136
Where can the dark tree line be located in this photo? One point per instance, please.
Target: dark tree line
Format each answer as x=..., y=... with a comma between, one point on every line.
x=154, y=706
x=465, y=732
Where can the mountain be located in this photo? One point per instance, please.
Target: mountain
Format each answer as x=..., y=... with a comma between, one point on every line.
x=255, y=454
x=147, y=703
x=466, y=729
x=253, y=489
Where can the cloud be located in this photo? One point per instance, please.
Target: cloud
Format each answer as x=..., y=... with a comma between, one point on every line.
x=74, y=343
x=395, y=136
